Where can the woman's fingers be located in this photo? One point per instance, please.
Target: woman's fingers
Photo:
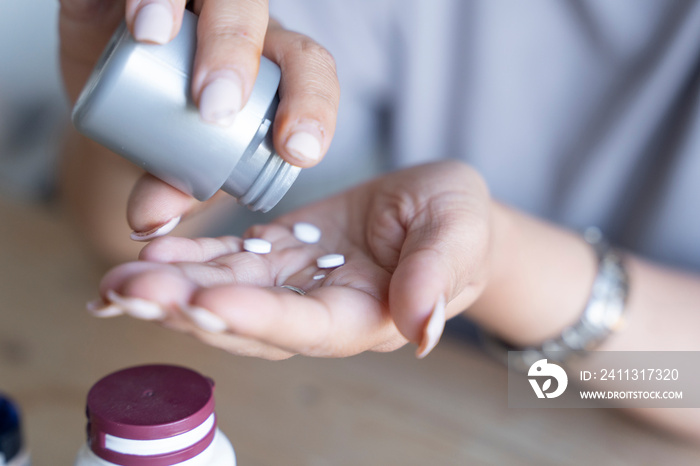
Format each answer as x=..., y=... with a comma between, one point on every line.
x=207, y=262
x=309, y=96
x=155, y=208
x=230, y=36
x=329, y=321
x=160, y=292
x=171, y=249
x=173, y=285
x=154, y=21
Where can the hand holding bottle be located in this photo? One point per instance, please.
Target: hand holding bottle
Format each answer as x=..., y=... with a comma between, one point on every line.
x=232, y=35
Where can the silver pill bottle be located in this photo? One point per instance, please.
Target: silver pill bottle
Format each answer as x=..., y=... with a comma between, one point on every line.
x=137, y=102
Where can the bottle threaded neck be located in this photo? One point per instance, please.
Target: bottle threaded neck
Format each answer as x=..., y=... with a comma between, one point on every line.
x=272, y=176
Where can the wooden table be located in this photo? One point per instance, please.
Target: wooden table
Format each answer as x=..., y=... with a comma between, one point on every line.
x=373, y=409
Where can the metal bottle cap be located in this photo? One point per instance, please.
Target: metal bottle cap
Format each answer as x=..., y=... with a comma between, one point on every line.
x=137, y=103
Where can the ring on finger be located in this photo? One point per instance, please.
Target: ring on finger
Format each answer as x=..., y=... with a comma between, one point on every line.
x=294, y=289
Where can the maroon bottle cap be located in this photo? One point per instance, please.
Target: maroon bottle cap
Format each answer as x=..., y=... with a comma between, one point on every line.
x=150, y=403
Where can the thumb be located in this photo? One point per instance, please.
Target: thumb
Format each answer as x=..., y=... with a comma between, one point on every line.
x=440, y=270
x=155, y=208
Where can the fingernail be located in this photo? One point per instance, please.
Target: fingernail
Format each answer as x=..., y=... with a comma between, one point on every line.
x=221, y=100
x=154, y=23
x=304, y=146
x=137, y=307
x=98, y=308
x=205, y=319
x=433, y=329
x=155, y=232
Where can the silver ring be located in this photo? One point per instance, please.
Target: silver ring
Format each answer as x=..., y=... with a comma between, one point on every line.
x=294, y=289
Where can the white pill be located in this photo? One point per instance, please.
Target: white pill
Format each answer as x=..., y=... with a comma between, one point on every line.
x=330, y=260
x=307, y=233
x=319, y=276
x=257, y=245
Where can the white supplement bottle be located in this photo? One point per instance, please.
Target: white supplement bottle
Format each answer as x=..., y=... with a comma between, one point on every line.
x=154, y=415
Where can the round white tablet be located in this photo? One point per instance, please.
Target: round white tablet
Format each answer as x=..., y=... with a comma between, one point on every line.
x=307, y=233
x=257, y=245
x=330, y=260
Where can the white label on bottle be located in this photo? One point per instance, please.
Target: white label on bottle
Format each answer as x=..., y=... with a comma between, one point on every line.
x=159, y=446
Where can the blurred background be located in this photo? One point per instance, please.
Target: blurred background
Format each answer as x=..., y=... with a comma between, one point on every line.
x=373, y=409
x=33, y=110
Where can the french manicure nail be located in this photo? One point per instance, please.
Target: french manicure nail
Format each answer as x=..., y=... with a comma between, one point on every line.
x=99, y=309
x=221, y=100
x=205, y=319
x=433, y=329
x=157, y=231
x=304, y=146
x=154, y=23
x=137, y=307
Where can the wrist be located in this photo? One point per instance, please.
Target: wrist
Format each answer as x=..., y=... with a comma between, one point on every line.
x=539, y=282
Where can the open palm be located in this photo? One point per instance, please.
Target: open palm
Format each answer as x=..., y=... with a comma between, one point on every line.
x=410, y=239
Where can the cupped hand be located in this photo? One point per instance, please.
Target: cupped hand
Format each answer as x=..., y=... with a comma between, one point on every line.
x=231, y=36
x=416, y=246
